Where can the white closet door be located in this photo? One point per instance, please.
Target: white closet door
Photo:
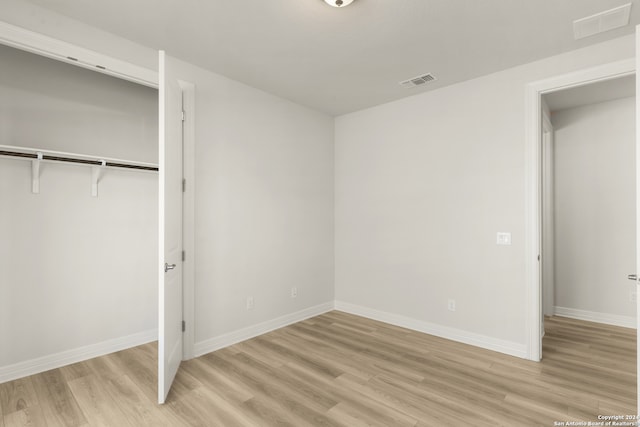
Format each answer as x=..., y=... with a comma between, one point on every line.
x=170, y=197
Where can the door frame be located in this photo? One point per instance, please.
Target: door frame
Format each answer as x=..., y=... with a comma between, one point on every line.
x=547, y=230
x=40, y=44
x=533, y=174
x=188, y=217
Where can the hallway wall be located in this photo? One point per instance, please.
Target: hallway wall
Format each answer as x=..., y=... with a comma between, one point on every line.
x=594, y=190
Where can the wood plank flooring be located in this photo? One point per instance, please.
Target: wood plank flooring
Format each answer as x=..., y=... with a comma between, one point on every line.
x=341, y=370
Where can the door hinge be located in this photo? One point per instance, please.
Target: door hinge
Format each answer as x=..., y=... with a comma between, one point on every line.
x=184, y=256
x=184, y=326
x=183, y=115
x=184, y=185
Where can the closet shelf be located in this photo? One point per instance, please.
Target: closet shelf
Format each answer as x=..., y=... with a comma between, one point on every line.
x=58, y=156
x=97, y=164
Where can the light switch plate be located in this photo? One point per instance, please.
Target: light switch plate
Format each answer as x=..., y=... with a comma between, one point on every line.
x=503, y=238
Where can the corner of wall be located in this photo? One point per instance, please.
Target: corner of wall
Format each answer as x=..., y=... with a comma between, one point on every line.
x=225, y=340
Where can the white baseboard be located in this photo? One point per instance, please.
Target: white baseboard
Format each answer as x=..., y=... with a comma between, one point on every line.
x=594, y=316
x=45, y=363
x=222, y=341
x=453, y=334
x=34, y=366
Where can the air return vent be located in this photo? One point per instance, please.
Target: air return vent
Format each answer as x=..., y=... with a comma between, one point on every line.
x=601, y=22
x=418, y=81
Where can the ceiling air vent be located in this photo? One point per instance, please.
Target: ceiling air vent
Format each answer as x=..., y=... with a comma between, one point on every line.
x=418, y=81
x=601, y=22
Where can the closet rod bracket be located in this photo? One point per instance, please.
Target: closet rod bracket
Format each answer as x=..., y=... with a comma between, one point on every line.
x=96, y=173
x=35, y=173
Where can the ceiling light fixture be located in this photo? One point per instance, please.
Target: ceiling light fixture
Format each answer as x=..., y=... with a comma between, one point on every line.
x=338, y=3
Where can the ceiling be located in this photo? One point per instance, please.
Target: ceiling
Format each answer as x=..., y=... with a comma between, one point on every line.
x=602, y=91
x=339, y=60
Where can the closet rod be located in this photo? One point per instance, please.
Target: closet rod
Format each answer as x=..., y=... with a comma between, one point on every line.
x=83, y=161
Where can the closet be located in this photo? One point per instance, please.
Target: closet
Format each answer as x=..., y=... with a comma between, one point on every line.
x=78, y=212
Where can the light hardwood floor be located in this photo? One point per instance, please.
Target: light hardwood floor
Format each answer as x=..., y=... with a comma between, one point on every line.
x=341, y=370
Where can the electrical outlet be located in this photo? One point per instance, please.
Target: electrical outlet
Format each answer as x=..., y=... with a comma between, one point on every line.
x=249, y=303
x=451, y=305
x=294, y=292
x=633, y=297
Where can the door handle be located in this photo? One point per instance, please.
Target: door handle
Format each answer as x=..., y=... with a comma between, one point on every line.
x=168, y=267
x=632, y=277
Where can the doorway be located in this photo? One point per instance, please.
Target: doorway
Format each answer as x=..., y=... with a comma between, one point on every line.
x=534, y=200
x=588, y=202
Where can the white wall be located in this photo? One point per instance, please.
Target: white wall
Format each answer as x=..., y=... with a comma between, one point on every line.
x=75, y=271
x=595, y=207
x=422, y=186
x=264, y=206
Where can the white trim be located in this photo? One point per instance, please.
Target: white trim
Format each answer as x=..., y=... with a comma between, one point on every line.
x=235, y=337
x=40, y=44
x=548, y=221
x=163, y=389
x=637, y=58
x=57, y=360
x=532, y=237
x=594, y=316
x=534, y=92
x=188, y=220
x=453, y=334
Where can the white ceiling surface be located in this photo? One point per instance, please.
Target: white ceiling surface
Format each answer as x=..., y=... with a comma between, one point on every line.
x=339, y=60
x=608, y=90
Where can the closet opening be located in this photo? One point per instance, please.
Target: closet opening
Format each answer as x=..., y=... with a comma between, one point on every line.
x=78, y=216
